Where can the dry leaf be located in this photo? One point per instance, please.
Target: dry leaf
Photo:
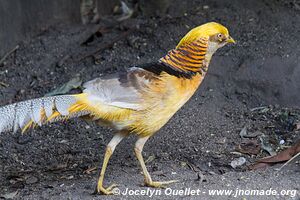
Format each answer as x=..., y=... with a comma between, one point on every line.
x=251, y=147
x=280, y=157
x=67, y=87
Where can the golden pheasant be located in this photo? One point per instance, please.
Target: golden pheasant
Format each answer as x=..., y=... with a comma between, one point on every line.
x=138, y=101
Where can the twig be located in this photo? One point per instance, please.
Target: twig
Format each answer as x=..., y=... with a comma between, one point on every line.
x=193, y=167
x=8, y=54
x=290, y=160
x=3, y=84
x=258, y=108
x=108, y=45
x=96, y=32
x=90, y=170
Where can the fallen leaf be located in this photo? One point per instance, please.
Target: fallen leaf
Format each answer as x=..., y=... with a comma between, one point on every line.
x=251, y=147
x=243, y=132
x=150, y=159
x=67, y=87
x=280, y=157
x=253, y=135
x=265, y=145
x=10, y=195
x=126, y=12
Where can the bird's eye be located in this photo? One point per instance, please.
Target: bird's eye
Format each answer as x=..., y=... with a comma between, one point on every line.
x=220, y=35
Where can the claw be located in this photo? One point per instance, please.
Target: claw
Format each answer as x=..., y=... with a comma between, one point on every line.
x=112, y=187
x=160, y=184
x=106, y=191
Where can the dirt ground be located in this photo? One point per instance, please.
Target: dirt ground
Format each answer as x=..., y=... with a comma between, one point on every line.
x=198, y=144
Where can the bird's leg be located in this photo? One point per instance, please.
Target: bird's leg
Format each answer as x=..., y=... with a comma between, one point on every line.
x=109, y=151
x=148, y=180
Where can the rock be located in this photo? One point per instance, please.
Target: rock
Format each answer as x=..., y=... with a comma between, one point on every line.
x=238, y=162
x=9, y=195
x=205, y=7
x=31, y=180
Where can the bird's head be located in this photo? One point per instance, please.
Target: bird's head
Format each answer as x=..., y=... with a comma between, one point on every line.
x=194, y=51
x=216, y=34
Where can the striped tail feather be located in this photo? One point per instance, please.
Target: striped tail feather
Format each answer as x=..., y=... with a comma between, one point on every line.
x=27, y=114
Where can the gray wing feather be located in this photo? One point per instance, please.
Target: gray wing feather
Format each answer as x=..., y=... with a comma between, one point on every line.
x=122, y=90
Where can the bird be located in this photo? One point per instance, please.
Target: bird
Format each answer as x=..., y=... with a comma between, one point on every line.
x=138, y=100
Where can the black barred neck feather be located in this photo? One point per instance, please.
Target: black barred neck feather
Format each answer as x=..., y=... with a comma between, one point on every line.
x=159, y=67
x=184, y=61
x=189, y=57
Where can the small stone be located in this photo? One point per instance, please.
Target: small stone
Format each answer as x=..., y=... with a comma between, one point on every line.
x=70, y=177
x=11, y=195
x=209, y=164
x=238, y=162
x=222, y=140
x=63, y=141
x=31, y=180
x=297, y=126
x=183, y=164
x=212, y=173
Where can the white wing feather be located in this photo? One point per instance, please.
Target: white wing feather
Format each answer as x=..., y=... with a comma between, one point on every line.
x=117, y=90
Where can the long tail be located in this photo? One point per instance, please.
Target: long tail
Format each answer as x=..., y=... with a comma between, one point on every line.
x=28, y=114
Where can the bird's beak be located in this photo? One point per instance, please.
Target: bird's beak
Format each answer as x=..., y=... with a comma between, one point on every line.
x=230, y=40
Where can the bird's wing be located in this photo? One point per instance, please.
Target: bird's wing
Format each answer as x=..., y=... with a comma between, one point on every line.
x=121, y=90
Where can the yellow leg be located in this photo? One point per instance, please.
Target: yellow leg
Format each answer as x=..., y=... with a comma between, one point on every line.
x=139, y=145
x=109, y=151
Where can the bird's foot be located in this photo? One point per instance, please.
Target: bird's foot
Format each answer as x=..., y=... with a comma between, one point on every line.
x=159, y=184
x=106, y=191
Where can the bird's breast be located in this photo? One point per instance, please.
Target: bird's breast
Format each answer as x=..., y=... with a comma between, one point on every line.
x=162, y=101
